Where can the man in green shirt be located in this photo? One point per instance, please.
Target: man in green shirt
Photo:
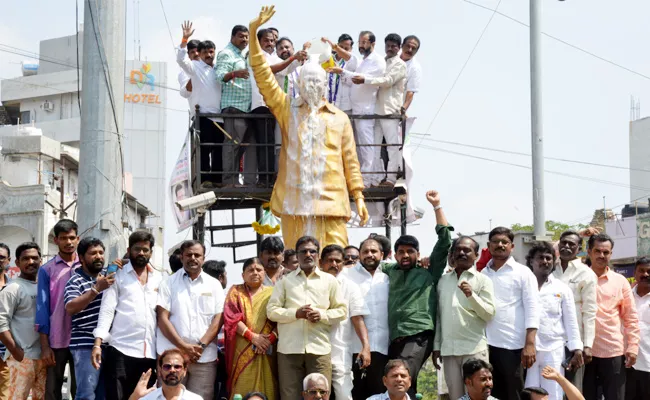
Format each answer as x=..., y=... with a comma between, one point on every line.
x=232, y=74
x=412, y=299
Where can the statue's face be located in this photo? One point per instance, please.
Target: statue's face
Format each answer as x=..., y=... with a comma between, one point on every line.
x=311, y=84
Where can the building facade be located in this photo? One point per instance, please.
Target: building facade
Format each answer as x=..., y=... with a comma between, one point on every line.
x=639, y=160
x=47, y=103
x=38, y=186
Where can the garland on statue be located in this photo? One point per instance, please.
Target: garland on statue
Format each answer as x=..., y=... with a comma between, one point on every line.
x=269, y=224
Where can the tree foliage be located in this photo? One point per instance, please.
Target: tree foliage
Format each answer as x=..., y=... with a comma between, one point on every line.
x=554, y=227
x=428, y=382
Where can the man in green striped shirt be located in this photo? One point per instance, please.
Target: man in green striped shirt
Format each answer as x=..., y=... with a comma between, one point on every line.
x=232, y=73
x=412, y=299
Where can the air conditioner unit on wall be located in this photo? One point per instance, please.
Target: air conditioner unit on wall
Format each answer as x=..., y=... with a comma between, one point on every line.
x=47, y=106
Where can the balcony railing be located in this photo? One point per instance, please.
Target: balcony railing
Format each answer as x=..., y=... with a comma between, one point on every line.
x=267, y=175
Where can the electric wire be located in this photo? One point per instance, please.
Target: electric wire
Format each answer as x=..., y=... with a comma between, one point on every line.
x=528, y=154
x=580, y=177
x=453, y=85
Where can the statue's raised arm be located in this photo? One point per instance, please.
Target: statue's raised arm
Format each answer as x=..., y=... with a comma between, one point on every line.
x=273, y=95
x=318, y=167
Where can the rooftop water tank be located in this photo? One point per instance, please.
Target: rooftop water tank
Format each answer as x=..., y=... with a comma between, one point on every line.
x=29, y=68
x=631, y=210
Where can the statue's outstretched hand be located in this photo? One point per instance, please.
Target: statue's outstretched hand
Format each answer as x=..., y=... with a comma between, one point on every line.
x=265, y=15
x=362, y=211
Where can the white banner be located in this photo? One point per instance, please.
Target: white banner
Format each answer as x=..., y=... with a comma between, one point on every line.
x=180, y=188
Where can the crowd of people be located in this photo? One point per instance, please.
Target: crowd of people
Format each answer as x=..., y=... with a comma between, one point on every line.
x=326, y=322
x=223, y=83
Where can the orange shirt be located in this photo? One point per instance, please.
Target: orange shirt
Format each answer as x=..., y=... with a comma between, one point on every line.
x=616, y=310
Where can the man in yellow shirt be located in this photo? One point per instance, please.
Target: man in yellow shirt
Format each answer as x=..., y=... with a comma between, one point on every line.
x=318, y=167
x=305, y=304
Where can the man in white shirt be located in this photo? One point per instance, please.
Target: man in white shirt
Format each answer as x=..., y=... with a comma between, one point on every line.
x=127, y=319
x=511, y=333
x=290, y=62
x=190, y=304
x=397, y=380
x=173, y=371
x=390, y=99
x=184, y=79
x=386, y=248
x=287, y=79
x=364, y=99
x=637, y=385
x=331, y=261
x=558, y=322
x=338, y=87
x=374, y=285
x=265, y=128
x=583, y=282
x=276, y=33
x=206, y=92
x=410, y=47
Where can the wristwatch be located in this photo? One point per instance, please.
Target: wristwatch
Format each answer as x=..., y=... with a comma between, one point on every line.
x=203, y=345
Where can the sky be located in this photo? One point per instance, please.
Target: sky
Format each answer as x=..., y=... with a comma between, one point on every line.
x=586, y=101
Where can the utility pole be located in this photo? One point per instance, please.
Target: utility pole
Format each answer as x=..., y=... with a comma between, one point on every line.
x=537, y=133
x=102, y=104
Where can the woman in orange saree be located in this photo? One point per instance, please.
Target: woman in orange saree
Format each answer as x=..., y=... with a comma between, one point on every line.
x=250, y=337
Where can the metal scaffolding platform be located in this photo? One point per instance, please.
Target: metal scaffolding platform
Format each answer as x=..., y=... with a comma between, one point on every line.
x=232, y=199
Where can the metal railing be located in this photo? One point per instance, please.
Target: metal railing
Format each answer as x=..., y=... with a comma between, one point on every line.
x=267, y=174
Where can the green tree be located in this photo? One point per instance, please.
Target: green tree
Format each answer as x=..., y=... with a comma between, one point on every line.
x=428, y=382
x=551, y=226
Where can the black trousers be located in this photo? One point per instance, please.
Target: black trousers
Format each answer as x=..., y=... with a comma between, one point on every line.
x=55, y=374
x=415, y=350
x=637, y=385
x=608, y=373
x=211, y=156
x=122, y=373
x=508, y=374
x=372, y=382
x=232, y=153
x=222, y=377
x=265, y=135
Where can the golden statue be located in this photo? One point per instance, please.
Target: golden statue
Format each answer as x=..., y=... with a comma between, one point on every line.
x=318, y=165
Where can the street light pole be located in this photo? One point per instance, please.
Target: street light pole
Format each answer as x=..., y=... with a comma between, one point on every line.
x=537, y=133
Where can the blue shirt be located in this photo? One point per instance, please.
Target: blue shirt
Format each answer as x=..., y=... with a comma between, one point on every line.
x=84, y=322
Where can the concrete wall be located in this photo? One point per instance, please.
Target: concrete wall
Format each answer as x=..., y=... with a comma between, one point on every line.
x=64, y=130
x=62, y=106
x=28, y=87
x=639, y=159
x=23, y=208
x=61, y=50
x=624, y=233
